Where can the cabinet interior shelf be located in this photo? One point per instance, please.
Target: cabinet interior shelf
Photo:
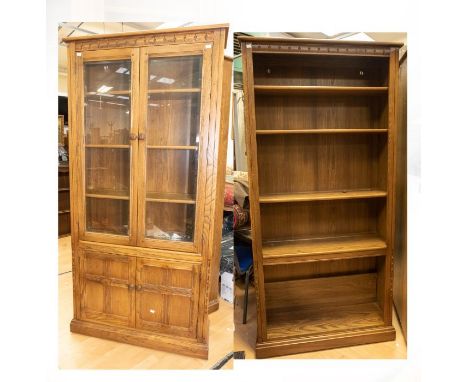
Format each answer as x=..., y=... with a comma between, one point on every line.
x=64, y=212
x=106, y=146
x=171, y=147
x=327, y=248
x=170, y=198
x=63, y=189
x=288, y=89
x=321, y=131
x=107, y=194
x=321, y=195
x=110, y=92
x=168, y=91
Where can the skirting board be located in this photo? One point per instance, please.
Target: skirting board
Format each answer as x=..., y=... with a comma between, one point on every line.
x=178, y=345
x=213, y=306
x=322, y=342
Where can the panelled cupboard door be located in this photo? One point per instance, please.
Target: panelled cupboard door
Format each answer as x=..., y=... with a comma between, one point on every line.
x=166, y=297
x=107, y=95
x=107, y=288
x=174, y=116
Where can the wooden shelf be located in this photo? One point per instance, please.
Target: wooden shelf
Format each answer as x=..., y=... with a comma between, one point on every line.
x=273, y=89
x=111, y=92
x=63, y=189
x=323, y=131
x=64, y=212
x=170, y=198
x=108, y=194
x=169, y=91
x=317, y=249
x=91, y=146
x=322, y=319
x=172, y=147
x=321, y=195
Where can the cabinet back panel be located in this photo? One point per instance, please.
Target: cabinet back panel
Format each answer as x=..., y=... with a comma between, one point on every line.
x=329, y=162
x=315, y=70
x=285, y=272
x=165, y=219
x=107, y=216
x=171, y=171
x=305, y=220
x=107, y=120
x=281, y=112
x=173, y=120
x=317, y=292
x=107, y=170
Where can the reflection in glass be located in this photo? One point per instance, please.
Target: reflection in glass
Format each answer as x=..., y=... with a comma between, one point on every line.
x=170, y=221
x=107, y=102
x=175, y=72
x=107, y=113
x=172, y=137
x=173, y=119
x=107, y=216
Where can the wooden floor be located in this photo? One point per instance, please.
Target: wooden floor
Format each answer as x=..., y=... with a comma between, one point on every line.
x=245, y=335
x=79, y=351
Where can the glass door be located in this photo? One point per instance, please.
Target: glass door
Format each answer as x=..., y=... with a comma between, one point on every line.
x=175, y=104
x=109, y=88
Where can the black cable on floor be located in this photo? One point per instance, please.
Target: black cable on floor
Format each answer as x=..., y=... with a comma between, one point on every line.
x=236, y=355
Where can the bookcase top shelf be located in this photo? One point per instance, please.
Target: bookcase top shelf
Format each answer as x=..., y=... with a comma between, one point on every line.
x=320, y=131
x=321, y=195
x=338, y=90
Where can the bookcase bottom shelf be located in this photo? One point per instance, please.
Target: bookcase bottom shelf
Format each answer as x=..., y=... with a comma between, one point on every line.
x=309, y=343
x=318, y=320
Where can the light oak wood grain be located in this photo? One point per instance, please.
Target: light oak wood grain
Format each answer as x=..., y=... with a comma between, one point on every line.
x=245, y=338
x=400, y=278
x=320, y=122
x=140, y=159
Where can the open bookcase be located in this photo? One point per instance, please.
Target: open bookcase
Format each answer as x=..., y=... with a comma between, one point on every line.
x=147, y=137
x=320, y=120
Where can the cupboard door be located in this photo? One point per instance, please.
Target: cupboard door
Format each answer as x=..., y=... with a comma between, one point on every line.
x=166, y=297
x=175, y=96
x=107, y=288
x=109, y=89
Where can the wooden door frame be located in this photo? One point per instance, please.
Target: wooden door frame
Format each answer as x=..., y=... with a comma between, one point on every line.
x=81, y=58
x=205, y=50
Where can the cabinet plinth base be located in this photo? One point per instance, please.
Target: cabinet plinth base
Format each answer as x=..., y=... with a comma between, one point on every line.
x=213, y=306
x=179, y=345
x=295, y=345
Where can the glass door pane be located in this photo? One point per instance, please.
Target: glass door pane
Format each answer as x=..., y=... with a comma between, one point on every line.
x=107, y=119
x=172, y=129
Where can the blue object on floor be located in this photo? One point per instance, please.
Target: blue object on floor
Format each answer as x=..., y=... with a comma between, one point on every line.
x=243, y=262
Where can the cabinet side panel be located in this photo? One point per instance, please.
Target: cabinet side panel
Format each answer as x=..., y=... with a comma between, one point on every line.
x=385, y=281
x=251, y=143
x=220, y=180
x=73, y=168
x=400, y=280
x=210, y=147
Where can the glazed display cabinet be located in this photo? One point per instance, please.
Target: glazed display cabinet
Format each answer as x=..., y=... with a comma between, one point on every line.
x=321, y=119
x=145, y=142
